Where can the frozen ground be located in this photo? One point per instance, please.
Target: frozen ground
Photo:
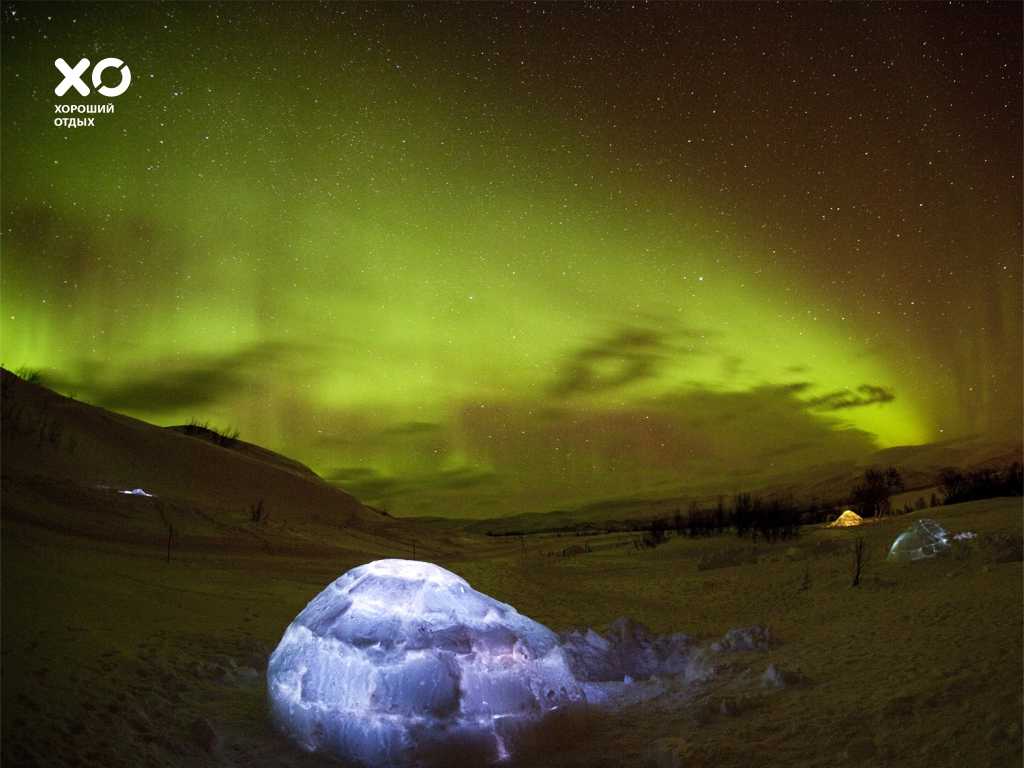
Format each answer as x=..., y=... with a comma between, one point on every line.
x=112, y=656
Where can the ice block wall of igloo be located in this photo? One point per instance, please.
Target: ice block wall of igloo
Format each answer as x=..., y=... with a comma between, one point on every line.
x=925, y=538
x=401, y=662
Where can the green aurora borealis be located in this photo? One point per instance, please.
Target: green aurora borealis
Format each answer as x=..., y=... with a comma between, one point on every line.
x=488, y=258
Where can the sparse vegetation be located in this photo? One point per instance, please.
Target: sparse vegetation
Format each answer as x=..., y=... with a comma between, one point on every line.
x=31, y=375
x=778, y=518
x=772, y=519
x=170, y=540
x=49, y=430
x=871, y=496
x=575, y=549
x=256, y=512
x=657, y=533
x=28, y=419
x=860, y=557
x=959, y=486
x=226, y=438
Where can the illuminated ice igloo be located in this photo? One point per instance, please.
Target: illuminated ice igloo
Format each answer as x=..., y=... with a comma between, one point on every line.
x=925, y=538
x=401, y=662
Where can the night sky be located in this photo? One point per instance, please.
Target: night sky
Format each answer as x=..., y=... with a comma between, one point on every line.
x=481, y=259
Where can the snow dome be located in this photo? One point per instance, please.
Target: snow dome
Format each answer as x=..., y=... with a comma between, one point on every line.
x=401, y=662
x=925, y=538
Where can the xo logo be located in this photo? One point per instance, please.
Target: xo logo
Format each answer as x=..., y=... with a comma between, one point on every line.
x=73, y=77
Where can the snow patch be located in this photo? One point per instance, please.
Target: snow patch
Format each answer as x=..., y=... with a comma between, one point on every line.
x=628, y=652
x=137, y=492
x=755, y=638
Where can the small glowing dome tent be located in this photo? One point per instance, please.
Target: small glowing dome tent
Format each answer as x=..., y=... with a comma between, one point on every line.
x=401, y=662
x=848, y=519
x=925, y=538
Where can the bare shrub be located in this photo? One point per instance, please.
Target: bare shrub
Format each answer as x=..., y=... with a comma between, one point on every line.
x=860, y=556
x=256, y=511
x=226, y=438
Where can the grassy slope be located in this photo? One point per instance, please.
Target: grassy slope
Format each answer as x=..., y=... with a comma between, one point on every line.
x=55, y=438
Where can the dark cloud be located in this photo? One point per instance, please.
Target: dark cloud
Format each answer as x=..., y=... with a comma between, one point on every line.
x=732, y=367
x=630, y=356
x=699, y=438
x=174, y=383
x=369, y=484
x=795, y=387
x=198, y=383
x=364, y=483
x=627, y=357
x=866, y=394
x=363, y=437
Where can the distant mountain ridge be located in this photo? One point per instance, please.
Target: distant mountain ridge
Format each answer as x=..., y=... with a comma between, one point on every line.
x=829, y=484
x=49, y=440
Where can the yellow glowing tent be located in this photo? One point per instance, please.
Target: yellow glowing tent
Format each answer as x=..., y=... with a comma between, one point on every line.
x=847, y=519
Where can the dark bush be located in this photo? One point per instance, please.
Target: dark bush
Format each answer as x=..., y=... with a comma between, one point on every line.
x=871, y=496
x=959, y=486
x=226, y=438
x=31, y=375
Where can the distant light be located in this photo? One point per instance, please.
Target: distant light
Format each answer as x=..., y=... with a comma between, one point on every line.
x=137, y=492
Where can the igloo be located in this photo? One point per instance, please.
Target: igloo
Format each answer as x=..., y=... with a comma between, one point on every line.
x=400, y=662
x=925, y=538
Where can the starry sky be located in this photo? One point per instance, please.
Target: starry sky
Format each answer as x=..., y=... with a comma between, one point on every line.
x=487, y=258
